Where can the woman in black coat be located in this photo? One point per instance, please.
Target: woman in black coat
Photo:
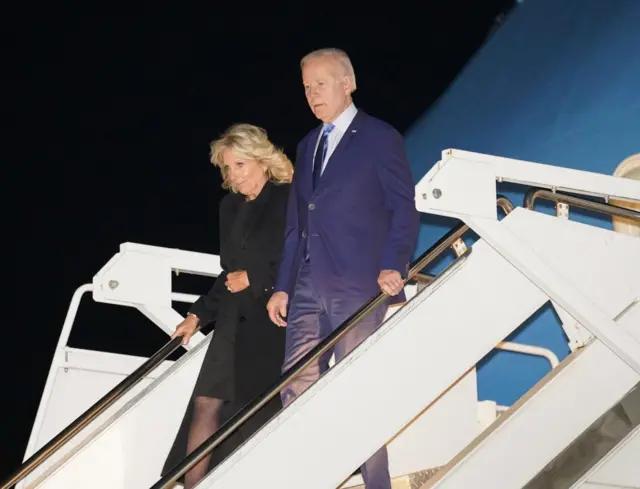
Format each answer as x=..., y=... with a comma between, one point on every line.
x=246, y=352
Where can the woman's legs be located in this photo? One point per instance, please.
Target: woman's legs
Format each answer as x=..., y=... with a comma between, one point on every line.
x=206, y=421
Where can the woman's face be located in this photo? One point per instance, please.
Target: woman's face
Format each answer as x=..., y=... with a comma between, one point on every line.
x=245, y=176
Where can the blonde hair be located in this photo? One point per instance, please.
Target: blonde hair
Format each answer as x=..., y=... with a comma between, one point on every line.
x=339, y=57
x=251, y=142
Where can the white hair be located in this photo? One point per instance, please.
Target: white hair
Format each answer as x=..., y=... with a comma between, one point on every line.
x=339, y=56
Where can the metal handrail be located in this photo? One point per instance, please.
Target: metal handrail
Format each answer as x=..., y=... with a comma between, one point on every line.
x=537, y=351
x=423, y=278
x=505, y=204
x=609, y=209
x=91, y=414
x=285, y=379
x=426, y=278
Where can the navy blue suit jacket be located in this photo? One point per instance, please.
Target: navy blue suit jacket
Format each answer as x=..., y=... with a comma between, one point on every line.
x=360, y=219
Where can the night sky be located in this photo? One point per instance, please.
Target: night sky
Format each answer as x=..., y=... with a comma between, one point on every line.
x=110, y=115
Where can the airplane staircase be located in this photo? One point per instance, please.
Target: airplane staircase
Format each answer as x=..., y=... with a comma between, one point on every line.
x=422, y=359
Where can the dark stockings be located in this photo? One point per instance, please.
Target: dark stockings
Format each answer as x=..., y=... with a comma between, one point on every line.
x=206, y=421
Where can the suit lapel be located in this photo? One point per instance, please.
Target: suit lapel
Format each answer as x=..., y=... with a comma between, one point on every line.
x=306, y=170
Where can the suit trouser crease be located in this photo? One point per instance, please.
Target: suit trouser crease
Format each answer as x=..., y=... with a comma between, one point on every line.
x=311, y=319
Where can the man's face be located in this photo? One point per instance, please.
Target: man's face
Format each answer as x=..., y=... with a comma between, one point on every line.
x=327, y=89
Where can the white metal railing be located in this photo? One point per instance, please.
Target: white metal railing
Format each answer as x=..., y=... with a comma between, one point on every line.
x=530, y=350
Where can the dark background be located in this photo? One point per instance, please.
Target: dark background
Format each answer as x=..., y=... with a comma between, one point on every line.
x=110, y=115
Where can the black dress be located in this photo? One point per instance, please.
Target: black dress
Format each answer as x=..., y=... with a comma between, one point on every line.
x=247, y=350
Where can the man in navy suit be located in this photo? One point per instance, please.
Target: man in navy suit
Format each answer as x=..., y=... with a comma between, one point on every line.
x=351, y=228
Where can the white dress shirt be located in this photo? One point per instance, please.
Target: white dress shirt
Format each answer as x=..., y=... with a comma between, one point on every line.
x=341, y=124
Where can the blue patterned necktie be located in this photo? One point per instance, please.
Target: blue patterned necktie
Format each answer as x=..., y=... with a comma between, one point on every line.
x=321, y=152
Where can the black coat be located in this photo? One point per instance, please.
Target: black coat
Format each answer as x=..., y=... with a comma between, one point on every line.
x=251, y=239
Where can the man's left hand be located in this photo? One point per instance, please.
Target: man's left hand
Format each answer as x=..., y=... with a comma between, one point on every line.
x=390, y=282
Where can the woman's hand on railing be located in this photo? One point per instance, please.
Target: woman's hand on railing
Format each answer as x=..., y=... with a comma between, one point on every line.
x=187, y=328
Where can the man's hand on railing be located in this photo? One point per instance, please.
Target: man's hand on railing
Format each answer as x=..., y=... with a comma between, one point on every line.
x=187, y=328
x=390, y=282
